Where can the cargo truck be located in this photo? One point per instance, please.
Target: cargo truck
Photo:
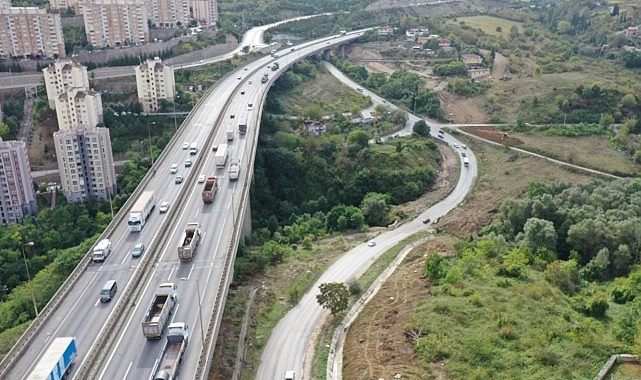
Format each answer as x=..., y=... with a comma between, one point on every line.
x=265, y=78
x=172, y=354
x=159, y=311
x=210, y=189
x=230, y=135
x=234, y=169
x=221, y=156
x=55, y=362
x=189, y=242
x=141, y=210
x=101, y=251
x=242, y=127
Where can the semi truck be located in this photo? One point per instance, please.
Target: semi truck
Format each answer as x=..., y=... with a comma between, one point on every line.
x=101, y=251
x=159, y=311
x=55, y=362
x=221, y=156
x=242, y=127
x=234, y=169
x=265, y=78
x=210, y=189
x=189, y=242
x=140, y=211
x=230, y=135
x=172, y=354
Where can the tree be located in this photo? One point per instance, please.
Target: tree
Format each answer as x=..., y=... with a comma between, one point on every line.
x=564, y=27
x=629, y=101
x=375, y=208
x=333, y=296
x=539, y=233
x=359, y=137
x=421, y=128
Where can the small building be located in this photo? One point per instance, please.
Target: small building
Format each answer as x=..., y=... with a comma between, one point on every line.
x=632, y=31
x=366, y=117
x=472, y=59
x=444, y=42
x=314, y=127
x=386, y=31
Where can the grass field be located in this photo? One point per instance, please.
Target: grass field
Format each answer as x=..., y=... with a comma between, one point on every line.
x=581, y=151
x=489, y=24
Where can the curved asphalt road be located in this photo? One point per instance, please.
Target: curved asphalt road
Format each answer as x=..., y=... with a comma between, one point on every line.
x=290, y=345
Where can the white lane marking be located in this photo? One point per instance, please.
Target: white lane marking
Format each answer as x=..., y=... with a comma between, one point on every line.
x=122, y=333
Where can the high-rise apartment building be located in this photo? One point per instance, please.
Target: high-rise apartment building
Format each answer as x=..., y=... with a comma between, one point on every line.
x=113, y=23
x=78, y=107
x=85, y=162
x=30, y=32
x=62, y=76
x=17, y=195
x=154, y=81
x=168, y=13
x=205, y=12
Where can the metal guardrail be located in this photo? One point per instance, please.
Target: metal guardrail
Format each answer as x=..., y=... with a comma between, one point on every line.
x=130, y=296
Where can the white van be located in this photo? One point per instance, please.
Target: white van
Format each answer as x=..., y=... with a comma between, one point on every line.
x=290, y=375
x=193, y=148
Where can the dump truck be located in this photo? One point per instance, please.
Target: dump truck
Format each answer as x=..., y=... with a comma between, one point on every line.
x=221, y=156
x=265, y=78
x=56, y=361
x=234, y=169
x=140, y=211
x=101, y=251
x=210, y=189
x=159, y=311
x=242, y=127
x=189, y=242
x=230, y=135
x=171, y=357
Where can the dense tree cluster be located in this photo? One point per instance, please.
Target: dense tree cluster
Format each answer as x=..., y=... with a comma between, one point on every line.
x=597, y=224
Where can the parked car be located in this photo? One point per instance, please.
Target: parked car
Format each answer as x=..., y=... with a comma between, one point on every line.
x=138, y=250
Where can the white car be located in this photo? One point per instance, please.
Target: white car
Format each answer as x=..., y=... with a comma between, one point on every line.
x=250, y=106
x=187, y=163
x=164, y=207
x=186, y=145
x=250, y=81
x=201, y=178
x=455, y=145
x=371, y=243
x=174, y=169
x=464, y=146
x=239, y=77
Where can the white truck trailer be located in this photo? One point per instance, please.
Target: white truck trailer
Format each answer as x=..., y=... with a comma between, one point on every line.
x=159, y=311
x=141, y=210
x=173, y=352
x=221, y=156
x=101, y=251
x=55, y=362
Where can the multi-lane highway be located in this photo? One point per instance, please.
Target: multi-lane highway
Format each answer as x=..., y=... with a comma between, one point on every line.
x=200, y=282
